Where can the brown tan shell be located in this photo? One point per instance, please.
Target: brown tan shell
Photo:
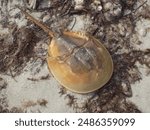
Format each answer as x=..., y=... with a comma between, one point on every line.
x=78, y=61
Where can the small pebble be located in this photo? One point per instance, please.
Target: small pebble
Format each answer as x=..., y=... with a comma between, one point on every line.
x=79, y=4
x=99, y=8
x=117, y=11
x=78, y=7
x=126, y=90
x=46, y=18
x=142, y=32
x=107, y=6
x=97, y=2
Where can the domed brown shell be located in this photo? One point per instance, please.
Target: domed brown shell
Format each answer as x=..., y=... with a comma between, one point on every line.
x=79, y=62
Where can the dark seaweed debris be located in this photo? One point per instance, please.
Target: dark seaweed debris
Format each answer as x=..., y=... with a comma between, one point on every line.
x=16, y=49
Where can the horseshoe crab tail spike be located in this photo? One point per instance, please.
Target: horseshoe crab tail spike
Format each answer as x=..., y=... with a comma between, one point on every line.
x=35, y=21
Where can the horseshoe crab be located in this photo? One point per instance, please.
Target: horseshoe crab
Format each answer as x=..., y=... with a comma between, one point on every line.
x=78, y=61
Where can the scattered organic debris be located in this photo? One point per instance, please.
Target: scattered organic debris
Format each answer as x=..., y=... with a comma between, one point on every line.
x=33, y=79
x=44, y=77
x=3, y=100
x=16, y=49
x=71, y=100
x=42, y=102
x=113, y=23
x=3, y=83
x=3, y=104
x=16, y=110
x=62, y=91
x=29, y=103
